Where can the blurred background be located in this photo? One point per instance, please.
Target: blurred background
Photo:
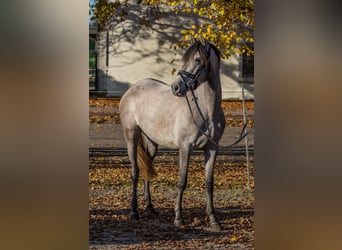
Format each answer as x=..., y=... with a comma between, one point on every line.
x=44, y=125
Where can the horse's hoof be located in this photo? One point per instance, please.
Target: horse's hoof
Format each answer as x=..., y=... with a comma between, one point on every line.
x=134, y=216
x=215, y=227
x=151, y=211
x=178, y=223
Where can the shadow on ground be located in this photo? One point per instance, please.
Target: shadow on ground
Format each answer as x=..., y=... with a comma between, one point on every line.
x=115, y=228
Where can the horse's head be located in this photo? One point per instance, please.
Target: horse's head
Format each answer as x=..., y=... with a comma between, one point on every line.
x=196, y=68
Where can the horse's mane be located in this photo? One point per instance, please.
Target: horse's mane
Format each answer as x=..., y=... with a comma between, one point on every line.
x=198, y=46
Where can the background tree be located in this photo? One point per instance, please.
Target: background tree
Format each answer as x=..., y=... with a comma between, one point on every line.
x=108, y=13
x=229, y=24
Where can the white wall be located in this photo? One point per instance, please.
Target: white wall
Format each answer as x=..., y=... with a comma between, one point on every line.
x=136, y=52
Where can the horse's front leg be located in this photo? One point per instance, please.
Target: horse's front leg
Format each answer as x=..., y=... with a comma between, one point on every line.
x=184, y=155
x=210, y=157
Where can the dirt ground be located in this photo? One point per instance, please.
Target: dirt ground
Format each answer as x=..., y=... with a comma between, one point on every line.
x=110, y=193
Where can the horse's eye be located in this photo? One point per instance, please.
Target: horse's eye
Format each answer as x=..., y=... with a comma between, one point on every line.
x=198, y=59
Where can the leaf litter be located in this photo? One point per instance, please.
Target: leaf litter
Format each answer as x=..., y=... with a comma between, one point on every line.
x=110, y=226
x=106, y=110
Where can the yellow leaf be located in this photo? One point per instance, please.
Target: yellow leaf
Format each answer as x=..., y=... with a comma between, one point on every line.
x=201, y=11
x=184, y=32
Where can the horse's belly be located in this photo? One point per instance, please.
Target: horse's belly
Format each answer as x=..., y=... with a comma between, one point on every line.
x=162, y=139
x=159, y=132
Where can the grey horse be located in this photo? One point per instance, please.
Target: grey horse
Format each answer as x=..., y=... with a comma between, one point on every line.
x=187, y=116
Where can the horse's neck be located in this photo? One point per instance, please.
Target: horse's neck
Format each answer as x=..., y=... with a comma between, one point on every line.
x=214, y=84
x=209, y=96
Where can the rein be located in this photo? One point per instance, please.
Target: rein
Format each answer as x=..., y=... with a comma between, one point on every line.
x=193, y=82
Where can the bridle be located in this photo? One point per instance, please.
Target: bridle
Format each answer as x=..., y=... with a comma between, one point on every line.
x=191, y=82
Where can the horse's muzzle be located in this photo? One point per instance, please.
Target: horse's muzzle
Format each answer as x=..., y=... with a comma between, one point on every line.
x=176, y=88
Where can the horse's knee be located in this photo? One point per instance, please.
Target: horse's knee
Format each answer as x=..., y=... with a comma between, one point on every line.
x=181, y=185
x=209, y=187
x=182, y=182
x=134, y=172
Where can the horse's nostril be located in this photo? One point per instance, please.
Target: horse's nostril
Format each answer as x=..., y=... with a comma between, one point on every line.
x=175, y=88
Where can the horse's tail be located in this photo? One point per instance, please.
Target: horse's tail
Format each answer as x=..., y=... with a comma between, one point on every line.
x=145, y=161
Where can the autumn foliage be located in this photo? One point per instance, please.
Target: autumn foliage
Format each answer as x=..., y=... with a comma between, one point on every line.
x=228, y=24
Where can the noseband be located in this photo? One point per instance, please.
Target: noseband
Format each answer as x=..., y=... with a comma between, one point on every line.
x=190, y=80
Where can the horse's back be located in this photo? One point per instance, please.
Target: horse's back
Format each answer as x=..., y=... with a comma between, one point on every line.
x=144, y=87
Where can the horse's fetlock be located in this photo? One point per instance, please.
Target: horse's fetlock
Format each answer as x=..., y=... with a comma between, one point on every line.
x=214, y=226
x=134, y=216
x=178, y=222
x=181, y=185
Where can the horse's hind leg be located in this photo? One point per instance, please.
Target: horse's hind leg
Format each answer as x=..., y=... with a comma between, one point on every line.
x=131, y=136
x=151, y=149
x=147, y=197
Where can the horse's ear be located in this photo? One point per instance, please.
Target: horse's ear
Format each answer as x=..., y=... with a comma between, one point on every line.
x=202, y=41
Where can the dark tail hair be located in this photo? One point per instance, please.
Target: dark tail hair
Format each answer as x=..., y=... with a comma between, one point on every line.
x=145, y=161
